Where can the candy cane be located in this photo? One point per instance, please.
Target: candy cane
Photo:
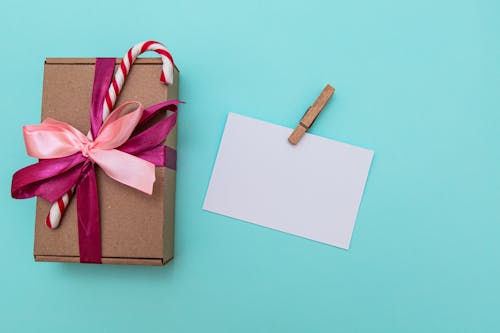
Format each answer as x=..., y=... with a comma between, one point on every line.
x=167, y=76
x=57, y=209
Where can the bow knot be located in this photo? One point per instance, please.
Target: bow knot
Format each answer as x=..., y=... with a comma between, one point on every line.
x=87, y=146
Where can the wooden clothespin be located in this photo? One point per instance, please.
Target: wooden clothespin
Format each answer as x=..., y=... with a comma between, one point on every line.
x=311, y=114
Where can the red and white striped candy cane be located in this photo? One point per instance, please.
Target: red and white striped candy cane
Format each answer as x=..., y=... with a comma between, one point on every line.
x=57, y=209
x=167, y=76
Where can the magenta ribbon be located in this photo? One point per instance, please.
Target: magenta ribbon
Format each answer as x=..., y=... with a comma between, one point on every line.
x=52, y=178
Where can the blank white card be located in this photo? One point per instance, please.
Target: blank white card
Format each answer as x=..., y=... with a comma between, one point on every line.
x=312, y=189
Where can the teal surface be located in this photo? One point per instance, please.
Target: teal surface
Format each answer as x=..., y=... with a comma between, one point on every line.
x=417, y=81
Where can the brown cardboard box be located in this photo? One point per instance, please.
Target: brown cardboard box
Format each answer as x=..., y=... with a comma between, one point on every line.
x=136, y=228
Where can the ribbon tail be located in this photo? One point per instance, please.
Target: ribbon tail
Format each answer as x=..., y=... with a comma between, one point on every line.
x=89, y=226
x=150, y=137
x=126, y=169
x=153, y=110
x=48, y=179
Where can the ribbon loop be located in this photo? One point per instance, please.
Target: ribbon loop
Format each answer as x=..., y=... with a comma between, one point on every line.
x=52, y=139
x=120, y=124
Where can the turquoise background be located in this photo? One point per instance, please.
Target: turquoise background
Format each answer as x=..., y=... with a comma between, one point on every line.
x=417, y=81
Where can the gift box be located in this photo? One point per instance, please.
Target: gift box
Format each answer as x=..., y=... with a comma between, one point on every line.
x=135, y=227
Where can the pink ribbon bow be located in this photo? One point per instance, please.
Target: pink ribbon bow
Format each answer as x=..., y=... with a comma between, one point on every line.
x=54, y=139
